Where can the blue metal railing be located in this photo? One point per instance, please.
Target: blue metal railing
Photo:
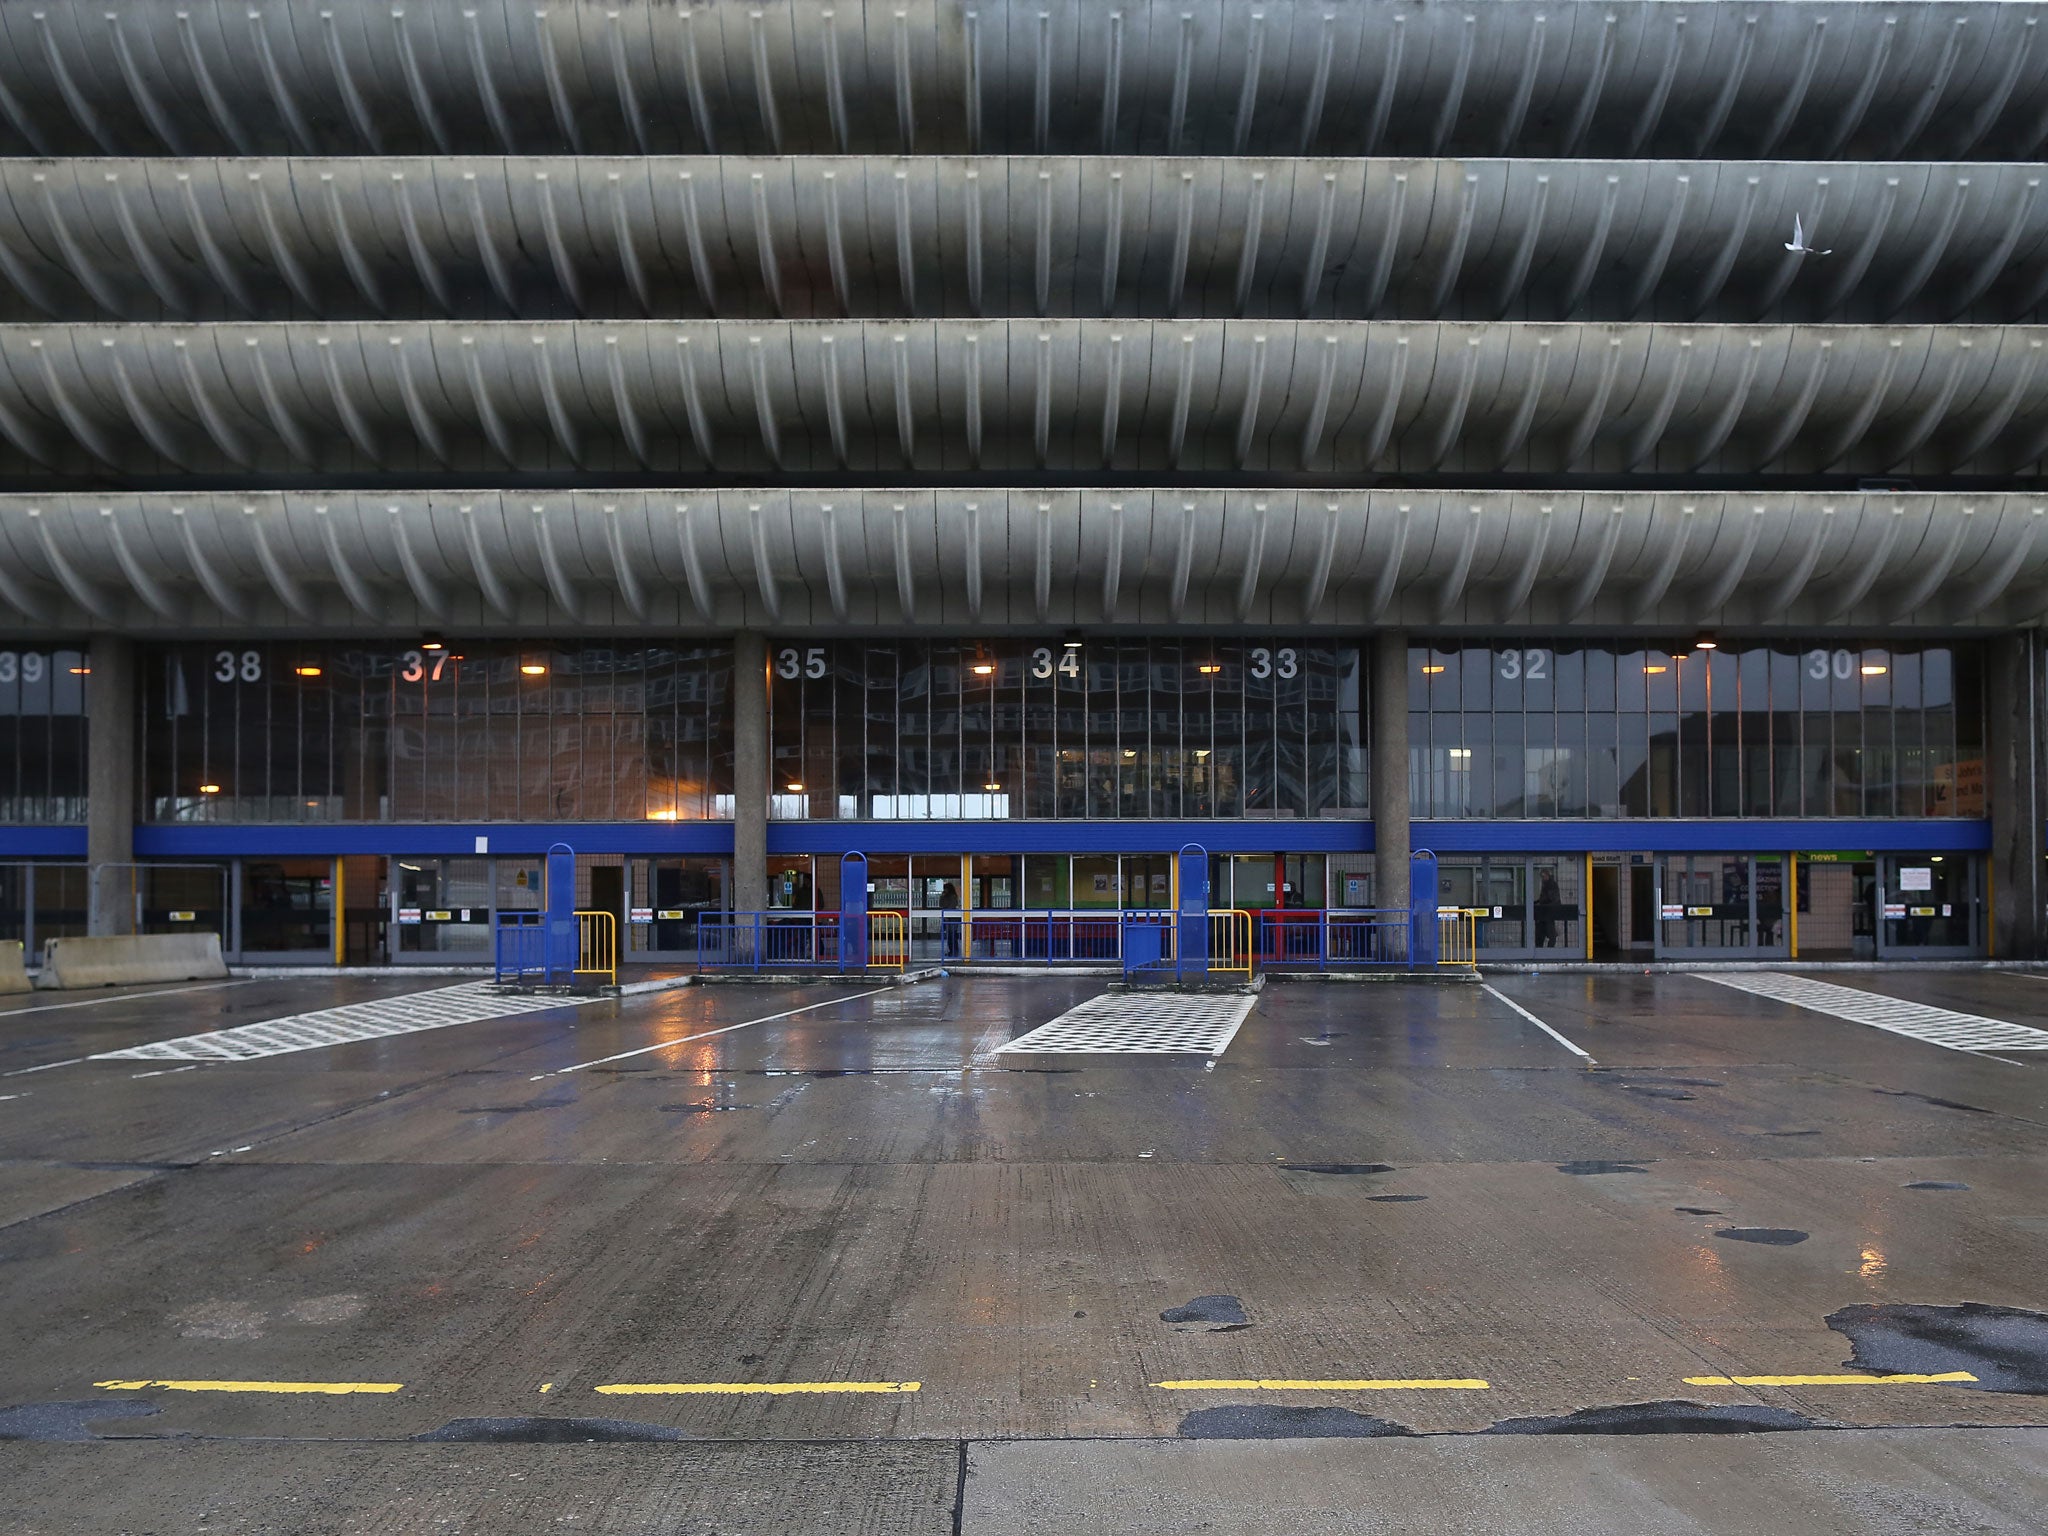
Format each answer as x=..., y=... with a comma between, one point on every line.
x=522, y=949
x=1321, y=940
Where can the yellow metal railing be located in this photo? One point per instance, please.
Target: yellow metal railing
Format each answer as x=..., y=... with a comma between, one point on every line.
x=1457, y=936
x=1230, y=940
x=888, y=941
x=597, y=945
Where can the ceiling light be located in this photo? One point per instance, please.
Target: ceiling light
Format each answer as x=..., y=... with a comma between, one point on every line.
x=1653, y=668
x=1433, y=668
x=433, y=643
x=209, y=789
x=984, y=669
x=1461, y=751
x=992, y=788
x=796, y=789
x=81, y=671
x=1130, y=751
x=533, y=669
x=1706, y=643
x=306, y=671
x=1201, y=752
x=1072, y=641
x=1874, y=670
x=1209, y=669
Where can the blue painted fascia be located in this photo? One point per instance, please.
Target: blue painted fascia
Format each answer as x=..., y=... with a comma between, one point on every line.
x=42, y=842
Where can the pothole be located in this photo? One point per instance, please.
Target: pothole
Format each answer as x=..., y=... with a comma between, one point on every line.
x=2005, y=1348
x=1258, y=1421
x=1662, y=1418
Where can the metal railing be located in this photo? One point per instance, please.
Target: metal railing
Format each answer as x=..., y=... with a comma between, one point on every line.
x=797, y=941
x=1158, y=946
x=597, y=945
x=520, y=947
x=1457, y=936
x=1375, y=936
x=1048, y=937
x=888, y=941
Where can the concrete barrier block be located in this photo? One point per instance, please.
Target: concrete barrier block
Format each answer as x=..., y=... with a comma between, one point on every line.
x=128, y=959
x=13, y=967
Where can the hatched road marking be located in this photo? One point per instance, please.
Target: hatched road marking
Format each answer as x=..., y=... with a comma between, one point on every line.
x=1917, y=1021
x=1272, y=1384
x=1125, y=1023
x=469, y=1002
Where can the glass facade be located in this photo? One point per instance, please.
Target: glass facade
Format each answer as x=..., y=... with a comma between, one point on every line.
x=42, y=736
x=473, y=731
x=1120, y=730
x=1620, y=730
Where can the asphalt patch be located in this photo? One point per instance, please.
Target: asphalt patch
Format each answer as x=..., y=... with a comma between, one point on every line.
x=2005, y=1348
x=69, y=1421
x=1934, y=1184
x=1220, y=1311
x=1338, y=1167
x=1662, y=1418
x=533, y=1429
x=1259, y=1421
x=1770, y=1237
x=1928, y=1098
x=1395, y=1199
x=1591, y=1165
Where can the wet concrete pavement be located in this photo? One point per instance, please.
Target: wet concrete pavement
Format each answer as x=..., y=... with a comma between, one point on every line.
x=497, y=1220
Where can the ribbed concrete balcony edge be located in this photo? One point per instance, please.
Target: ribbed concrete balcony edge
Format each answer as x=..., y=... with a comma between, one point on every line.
x=1324, y=400
x=989, y=560
x=1570, y=77
x=830, y=237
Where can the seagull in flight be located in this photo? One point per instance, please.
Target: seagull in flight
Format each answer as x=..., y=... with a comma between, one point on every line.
x=1798, y=245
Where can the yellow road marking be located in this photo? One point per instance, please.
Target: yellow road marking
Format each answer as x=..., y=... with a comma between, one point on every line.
x=1274, y=1384
x=322, y=1387
x=749, y=1388
x=1905, y=1380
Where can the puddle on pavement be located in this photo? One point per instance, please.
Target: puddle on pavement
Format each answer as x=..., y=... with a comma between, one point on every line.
x=702, y=1109
x=1395, y=1199
x=1664, y=1418
x=1928, y=1098
x=1770, y=1237
x=1337, y=1168
x=1258, y=1421
x=533, y=1429
x=69, y=1421
x=1934, y=1184
x=1592, y=1165
x=1217, y=1311
x=2005, y=1348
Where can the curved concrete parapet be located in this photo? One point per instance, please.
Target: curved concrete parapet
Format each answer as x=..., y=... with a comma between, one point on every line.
x=986, y=559
x=1064, y=236
x=13, y=967
x=128, y=959
x=1596, y=77
x=1319, y=400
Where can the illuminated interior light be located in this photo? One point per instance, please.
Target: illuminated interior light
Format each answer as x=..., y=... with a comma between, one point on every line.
x=1209, y=669
x=1433, y=668
x=533, y=669
x=1874, y=670
x=306, y=671
x=796, y=789
x=993, y=788
x=984, y=669
x=81, y=671
x=1461, y=752
x=1653, y=669
x=209, y=789
x=1706, y=643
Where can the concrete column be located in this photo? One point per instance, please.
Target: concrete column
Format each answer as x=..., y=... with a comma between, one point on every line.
x=110, y=783
x=2013, y=792
x=1389, y=746
x=750, y=773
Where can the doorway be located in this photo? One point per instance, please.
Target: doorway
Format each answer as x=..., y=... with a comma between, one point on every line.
x=1606, y=912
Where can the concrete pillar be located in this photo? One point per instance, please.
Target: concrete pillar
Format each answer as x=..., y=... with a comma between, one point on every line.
x=750, y=773
x=2013, y=792
x=110, y=783
x=1389, y=746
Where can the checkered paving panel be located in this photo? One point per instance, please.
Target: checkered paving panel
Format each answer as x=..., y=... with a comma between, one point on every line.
x=467, y=1003
x=1128, y=1023
x=1918, y=1021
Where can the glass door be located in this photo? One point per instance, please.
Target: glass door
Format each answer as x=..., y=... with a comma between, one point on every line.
x=287, y=910
x=1720, y=906
x=1928, y=906
x=442, y=906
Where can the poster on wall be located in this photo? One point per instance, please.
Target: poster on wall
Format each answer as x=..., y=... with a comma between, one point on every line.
x=1921, y=879
x=1100, y=884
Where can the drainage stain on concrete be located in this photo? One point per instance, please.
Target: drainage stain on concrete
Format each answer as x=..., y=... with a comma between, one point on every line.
x=1770, y=1237
x=1592, y=1165
x=1934, y=1184
x=1395, y=1199
x=1218, y=1311
x=533, y=1429
x=1928, y=1098
x=2005, y=1348
x=1337, y=1167
x=1258, y=1421
x=1662, y=1418
x=68, y=1421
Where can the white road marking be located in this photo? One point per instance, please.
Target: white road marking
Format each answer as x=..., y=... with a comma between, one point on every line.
x=1525, y=1013
x=1125, y=1023
x=126, y=997
x=1952, y=1031
x=725, y=1029
x=468, y=1003
x=69, y=1061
